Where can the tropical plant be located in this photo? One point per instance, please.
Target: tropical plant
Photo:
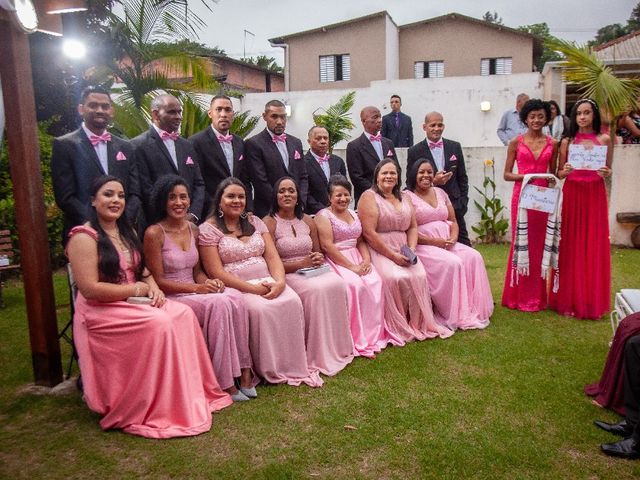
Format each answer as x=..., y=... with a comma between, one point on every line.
x=492, y=226
x=595, y=80
x=337, y=119
x=195, y=118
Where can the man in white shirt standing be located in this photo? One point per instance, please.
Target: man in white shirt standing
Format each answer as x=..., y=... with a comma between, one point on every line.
x=510, y=124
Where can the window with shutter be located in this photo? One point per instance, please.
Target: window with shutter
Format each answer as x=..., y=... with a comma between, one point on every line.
x=496, y=66
x=334, y=68
x=431, y=69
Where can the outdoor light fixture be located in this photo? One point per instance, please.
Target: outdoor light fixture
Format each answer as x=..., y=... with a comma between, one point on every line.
x=24, y=13
x=485, y=106
x=287, y=109
x=74, y=49
x=54, y=7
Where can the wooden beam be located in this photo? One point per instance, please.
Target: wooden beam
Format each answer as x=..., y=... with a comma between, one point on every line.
x=24, y=161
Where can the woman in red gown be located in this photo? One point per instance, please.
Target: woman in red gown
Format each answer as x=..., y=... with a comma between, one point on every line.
x=584, y=263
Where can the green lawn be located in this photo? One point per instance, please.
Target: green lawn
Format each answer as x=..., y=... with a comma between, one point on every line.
x=505, y=402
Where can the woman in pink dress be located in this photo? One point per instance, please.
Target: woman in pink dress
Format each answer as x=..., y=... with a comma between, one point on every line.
x=238, y=249
x=532, y=152
x=389, y=224
x=458, y=280
x=144, y=366
x=324, y=297
x=584, y=263
x=170, y=249
x=340, y=235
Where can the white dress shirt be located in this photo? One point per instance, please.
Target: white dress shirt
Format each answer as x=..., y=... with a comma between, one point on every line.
x=377, y=145
x=282, y=148
x=101, y=150
x=170, y=144
x=227, y=149
x=438, y=156
x=323, y=165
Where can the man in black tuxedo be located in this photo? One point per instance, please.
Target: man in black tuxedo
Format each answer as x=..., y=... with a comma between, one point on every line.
x=220, y=154
x=320, y=166
x=364, y=153
x=273, y=154
x=81, y=156
x=447, y=161
x=629, y=428
x=396, y=126
x=161, y=151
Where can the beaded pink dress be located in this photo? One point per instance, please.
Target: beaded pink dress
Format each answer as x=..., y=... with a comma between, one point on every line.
x=145, y=369
x=584, y=259
x=276, y=326
x=408, y=314
x=458, y=280
x=366, y=305
x=528, y=292
x=324, y=300
x=223, y=317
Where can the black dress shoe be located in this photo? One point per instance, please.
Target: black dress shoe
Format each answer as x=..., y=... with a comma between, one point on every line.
x=627, y=448
x=622, y=429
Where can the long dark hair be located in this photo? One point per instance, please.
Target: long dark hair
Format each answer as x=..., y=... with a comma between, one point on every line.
x=245, y=225
x=573, y=122
x=396, y=189
x=160, y=195
x=298, y=210
x=413, y=173
x=108, y=259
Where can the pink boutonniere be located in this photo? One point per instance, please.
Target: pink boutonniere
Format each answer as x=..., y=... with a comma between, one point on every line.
x=389, y=153
x=453, y=158
x=241, y=157
x=120, y=156
x=189, y=161
x=296, y=155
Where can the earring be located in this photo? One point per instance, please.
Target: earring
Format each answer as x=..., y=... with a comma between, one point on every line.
x=243, y=215
x=220, y=213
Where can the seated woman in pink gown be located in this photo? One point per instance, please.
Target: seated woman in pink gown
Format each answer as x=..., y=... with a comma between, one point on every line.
x=340, y=235
x=458, y=280
x=170, y=249
x=238, y=249
x=144, y=366
x=324, y=297
x=389, y=224
x=533, y=152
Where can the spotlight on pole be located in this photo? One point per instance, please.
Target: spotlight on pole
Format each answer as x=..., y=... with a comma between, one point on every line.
x=74, y=49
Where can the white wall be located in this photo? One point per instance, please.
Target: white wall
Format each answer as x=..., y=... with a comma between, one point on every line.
x=392, y=47
x=457, y=98
x=624, y=191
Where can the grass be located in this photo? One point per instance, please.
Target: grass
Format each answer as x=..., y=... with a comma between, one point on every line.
x=505, y=402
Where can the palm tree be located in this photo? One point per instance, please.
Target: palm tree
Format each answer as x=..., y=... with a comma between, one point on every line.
x=596, y=81
x=337, y=119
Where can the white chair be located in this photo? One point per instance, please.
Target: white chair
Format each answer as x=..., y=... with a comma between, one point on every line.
x=627, y=301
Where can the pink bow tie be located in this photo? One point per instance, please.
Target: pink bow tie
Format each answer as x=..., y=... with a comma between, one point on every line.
x=169, y=136
x=437, y=144
x=375, y=138
x=225, y=138
x=280, y=138
x=97, y=139
x=324, y=159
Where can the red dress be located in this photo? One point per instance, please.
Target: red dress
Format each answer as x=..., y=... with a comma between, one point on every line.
x=585, y=253
x=528, y=292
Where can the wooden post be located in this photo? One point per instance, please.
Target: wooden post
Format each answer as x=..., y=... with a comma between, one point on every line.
x=24, y=161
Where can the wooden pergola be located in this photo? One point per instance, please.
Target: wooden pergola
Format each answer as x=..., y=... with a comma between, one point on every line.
x=24, y=161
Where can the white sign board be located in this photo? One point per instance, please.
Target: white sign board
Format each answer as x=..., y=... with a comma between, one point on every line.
x=587, y=158
x=542, y=199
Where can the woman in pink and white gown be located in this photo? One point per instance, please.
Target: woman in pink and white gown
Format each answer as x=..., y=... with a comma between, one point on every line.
x=324, y=297
x=458, y=280
x=340, y=235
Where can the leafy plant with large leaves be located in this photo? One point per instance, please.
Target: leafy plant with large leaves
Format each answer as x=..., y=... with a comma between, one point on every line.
x=337, y=119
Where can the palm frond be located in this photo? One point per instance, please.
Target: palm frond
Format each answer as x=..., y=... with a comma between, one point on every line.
x=596, y=80
x=337, y=119
x=244, y=123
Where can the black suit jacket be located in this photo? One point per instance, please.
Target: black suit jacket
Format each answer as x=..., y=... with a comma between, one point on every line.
x=318, y=197
x=154, y=161
x=458, y=187
x=401, y=136
x=214, y=167
x=266, y=168
x=362, y=160
x=74, y=167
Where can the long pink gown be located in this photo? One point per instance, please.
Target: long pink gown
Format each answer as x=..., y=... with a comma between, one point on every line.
x=276, y=326
x=458, y=280
x=408, y=314
x=366, y=305
x=528, y=292
x=584, y=260
x=145, y=369
x=223, y=317
x=324, y=300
